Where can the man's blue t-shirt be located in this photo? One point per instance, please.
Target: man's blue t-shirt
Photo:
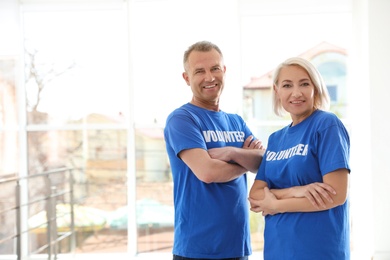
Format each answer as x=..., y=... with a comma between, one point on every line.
x=211, y=220
x=298, y=156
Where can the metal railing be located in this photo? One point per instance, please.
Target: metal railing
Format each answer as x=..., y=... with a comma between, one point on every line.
x=58, y=186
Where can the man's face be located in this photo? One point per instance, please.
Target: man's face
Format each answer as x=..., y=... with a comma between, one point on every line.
x=205, y=74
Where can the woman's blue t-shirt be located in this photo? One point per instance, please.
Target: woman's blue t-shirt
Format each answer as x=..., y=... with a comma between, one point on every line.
x=297, y=156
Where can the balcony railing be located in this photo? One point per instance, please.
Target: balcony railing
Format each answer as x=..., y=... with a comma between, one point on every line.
x=29, y=206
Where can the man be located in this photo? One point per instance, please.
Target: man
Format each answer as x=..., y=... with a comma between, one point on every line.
x=210, y=152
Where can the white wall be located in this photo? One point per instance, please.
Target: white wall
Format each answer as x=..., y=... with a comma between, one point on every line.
x=370, y=62
x=379, y=66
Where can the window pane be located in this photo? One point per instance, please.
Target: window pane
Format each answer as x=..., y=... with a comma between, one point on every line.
x=8, y=118
x=98, y=158
x=154, y=203
x=75, y=67
x=7, y=218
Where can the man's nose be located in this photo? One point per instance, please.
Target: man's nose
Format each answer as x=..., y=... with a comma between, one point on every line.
x=209, y=76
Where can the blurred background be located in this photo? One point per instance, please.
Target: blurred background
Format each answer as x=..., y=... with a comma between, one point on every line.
x=86, y=86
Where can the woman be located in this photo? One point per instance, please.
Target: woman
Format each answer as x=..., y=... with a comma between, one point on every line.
x=302, y=184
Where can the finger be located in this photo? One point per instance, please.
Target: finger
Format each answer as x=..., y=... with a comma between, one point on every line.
x=247, y=141
x=324, y=190
x=326, y=195
x=256, y=144
x=318, y=199
x=312, y=200
x=256, y=209
x=260, y=145
x=327, y=187
x=253, y=202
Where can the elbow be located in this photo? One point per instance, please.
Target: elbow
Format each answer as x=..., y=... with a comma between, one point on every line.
x=206, y=177
x=251, y=195
x=341, y=197
x=206, y=180
x=256, y=194
x=339, y=200
x=256, y=167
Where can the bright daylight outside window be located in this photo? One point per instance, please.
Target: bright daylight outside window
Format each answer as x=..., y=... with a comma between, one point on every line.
x=77, y=104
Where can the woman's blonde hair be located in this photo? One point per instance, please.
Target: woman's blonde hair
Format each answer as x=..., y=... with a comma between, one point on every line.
x=321, y=95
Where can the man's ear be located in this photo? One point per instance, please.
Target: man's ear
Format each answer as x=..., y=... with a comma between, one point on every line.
x=185, y=77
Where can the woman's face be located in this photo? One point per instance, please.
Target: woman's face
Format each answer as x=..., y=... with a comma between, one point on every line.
x=296, y=92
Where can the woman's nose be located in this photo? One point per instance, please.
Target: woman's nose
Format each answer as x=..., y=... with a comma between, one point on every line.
x=296, y=92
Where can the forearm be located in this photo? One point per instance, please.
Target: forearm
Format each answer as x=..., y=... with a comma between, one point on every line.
x=315, y=196
x=311, y=197
x=279, y=193
x=333, y=191
x=250, y=159
x=299, y=205
x=258, y=193
x=219, y=171
x=283, y=193
x=208, y=169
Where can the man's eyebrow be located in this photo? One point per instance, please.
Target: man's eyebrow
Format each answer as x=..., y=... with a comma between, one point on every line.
x=198, y=69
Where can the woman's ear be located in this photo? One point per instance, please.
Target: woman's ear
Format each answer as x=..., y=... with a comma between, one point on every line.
x=275, y=88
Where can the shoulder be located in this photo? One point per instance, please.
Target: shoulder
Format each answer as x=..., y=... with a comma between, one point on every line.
x=326, y=118
x=328, y=123
x=184, y=110
x=325, y=114
x=185, y=116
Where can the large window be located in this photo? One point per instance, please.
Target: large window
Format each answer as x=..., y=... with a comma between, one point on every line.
x=77, y=106
x=79, y=114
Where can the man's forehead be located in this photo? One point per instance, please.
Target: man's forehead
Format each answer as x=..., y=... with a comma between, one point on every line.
x=202, y=59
